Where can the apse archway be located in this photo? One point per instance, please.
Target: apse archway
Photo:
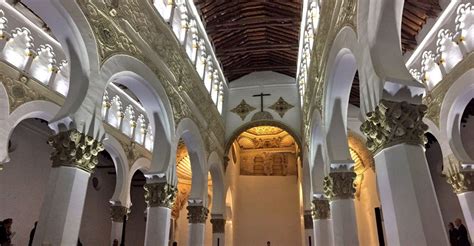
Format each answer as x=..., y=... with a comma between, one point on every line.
x=257, y=123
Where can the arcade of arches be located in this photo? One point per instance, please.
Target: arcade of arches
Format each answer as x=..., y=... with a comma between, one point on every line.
x=246, y=123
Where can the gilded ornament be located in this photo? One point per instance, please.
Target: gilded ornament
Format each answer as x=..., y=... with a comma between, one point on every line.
x=218, y=225
x=281, y=106
x=339, y=185
x=320, y=209
x=197, y=214
x=243, y=109
x=117, y=213
x=461, y=179
x=75, y=149
x=394, y=123
x=160, y=194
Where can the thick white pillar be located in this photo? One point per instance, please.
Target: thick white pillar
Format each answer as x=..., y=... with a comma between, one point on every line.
x=218, y=230
x=117, y=213
x=73, y=159
x=197, y=216
x=395, y=133
x=308, y=228
x=340, y=191
x=159, y=197
x=322, y=223
x=461, y=177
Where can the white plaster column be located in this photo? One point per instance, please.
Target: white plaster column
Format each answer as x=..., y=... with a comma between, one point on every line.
x=322, y=223
x=308, y=228
x=197, y=216
x=117, y=214
x=340, y=191
x=218, y=230
x=159, y=197
x=395, y=133
x=73, y=159
x=461, y=177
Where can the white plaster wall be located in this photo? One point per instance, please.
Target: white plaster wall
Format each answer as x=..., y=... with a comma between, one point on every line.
x=278, y=85
x=448, y=201
x=267, y=209
x=24, y=179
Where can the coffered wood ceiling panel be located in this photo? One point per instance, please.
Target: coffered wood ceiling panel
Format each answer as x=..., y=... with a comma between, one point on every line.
x=255, y=35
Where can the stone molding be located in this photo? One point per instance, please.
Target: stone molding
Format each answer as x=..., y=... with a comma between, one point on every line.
x=394, y=123
x=160, y=194
x=218, y=225
x=339, y=185
x=308, y=219
x=117, y=213
x=197, y=214
x=75, y=149
x=320, y=209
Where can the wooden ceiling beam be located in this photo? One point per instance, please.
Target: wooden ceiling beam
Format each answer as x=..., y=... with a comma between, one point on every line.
x=257, y=48
x=262, y=68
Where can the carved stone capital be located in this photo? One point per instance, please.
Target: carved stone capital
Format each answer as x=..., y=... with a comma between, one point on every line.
x=462, y=181
x=320, y=209
x=197, y=214
x=117, y=213
x=75, y=149
x=339, y=185
x=160, y=194
x=218, y=225
x=308, y=219
x=394, y=123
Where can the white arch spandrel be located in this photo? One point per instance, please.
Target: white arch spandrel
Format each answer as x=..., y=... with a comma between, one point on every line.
x=216, y=168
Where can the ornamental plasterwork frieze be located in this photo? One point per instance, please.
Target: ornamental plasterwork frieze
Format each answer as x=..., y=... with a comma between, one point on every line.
x=394, y=123
x=22, y=89
x=334, y=16
x=435, y=97
x=133, y=22
x=132, y=150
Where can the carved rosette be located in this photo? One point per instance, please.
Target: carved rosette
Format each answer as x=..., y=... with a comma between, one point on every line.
x=197, y=214
x=218, y=225
x=75, y=149
x=394, y=123
x=320, y=209
x=308, y=220
x=117, y=213
x=160, y=194
x=243, y=109
x=339, y=185
x=281, y=107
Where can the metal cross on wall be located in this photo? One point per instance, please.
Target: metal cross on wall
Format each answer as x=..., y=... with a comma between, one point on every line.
x=261, y=95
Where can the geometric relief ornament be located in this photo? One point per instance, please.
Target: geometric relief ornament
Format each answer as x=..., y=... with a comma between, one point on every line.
x=243, y=109
x=281, y=106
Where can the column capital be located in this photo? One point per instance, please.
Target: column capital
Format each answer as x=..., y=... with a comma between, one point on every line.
x=75, y=149
x=197, y=214
x=462, y=179
x=320, y=209
x=393, y=123
x=160, y=194
x=218, y=225
x=117, y=213
x=308, y=219
x=339, y=185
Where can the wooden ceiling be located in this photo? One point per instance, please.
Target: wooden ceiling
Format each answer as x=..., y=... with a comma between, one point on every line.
x=253, y=35
x=415, y=15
